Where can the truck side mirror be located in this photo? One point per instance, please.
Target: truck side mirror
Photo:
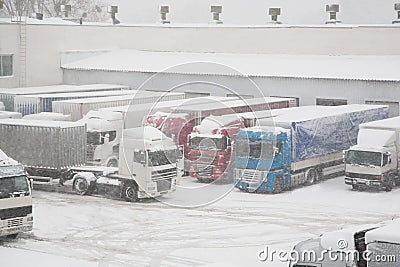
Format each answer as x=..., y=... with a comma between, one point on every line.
x=180, y=152
x=31, y=183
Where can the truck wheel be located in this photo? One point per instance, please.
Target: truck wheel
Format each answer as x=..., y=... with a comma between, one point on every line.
x=390, y=185
x=13, y=236
x=279, y=184
x=131, y=193
x=81, y=186
x=311, y=176
x=355, y=187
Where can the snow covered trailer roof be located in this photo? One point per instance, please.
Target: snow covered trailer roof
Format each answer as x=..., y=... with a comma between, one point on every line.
x=32, y=104
x=79, y=107
x=7, y=94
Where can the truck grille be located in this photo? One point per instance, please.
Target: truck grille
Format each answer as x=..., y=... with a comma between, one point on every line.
x=163, y=185
x=163, y=178
x=362, y=176
x=204, y=170
x=15, y=212
x=250, y=176
x=163, y=174
x=14, y=222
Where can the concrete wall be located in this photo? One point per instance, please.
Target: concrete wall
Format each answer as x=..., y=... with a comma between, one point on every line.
x=46, y=42
x=307, y=90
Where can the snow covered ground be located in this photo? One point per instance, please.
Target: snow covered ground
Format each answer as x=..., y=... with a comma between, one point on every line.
x=72, y=230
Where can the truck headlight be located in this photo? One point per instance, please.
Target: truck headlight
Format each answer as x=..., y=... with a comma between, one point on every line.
x=29, y=219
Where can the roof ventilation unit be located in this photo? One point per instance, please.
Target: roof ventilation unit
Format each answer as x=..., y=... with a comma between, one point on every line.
x=164, y=10
x=66, y=10
x=332, y=10
x=113, y=10
x=216, y=11
x=274, y=12
x=397, y=8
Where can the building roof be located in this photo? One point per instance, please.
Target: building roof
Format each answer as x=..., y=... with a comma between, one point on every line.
x=378, y=68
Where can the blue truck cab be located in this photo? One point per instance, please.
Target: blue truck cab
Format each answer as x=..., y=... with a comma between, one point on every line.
x=263, y=159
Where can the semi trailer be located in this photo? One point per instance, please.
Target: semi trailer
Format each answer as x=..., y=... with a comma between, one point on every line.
x=298, y=146
x=47, y=149
x=374, y=161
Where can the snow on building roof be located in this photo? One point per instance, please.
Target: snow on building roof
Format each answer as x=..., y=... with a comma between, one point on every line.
x=84, y=94
x=41, y=123
x=382, y=68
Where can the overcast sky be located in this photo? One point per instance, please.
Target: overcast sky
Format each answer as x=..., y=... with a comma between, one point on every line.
x=255, y=11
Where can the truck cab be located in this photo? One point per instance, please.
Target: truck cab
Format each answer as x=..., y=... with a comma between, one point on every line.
x=15, y=198
x=104, y=131
x=372, y=163
x=341, y=248
x=210, y=146
x=263, y=159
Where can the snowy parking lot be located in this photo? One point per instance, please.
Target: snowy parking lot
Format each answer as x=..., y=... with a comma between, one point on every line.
x=72, y=230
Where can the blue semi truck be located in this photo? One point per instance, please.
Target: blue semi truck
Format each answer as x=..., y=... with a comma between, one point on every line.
x=298, y=145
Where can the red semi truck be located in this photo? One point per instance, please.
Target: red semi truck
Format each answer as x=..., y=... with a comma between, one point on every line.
x=211, y=144
x=181, y=122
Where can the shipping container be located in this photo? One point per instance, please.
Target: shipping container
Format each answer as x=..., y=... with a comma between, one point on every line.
x=7, y=95
x=44, y=148
x=80, y=107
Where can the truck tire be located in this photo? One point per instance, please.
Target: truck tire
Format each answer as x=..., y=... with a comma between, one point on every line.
x=355, y=187
x=391, y=184
x=311, y=176
x=80, y=186
x=13, y=236
x=130, y=192
x=279, y=185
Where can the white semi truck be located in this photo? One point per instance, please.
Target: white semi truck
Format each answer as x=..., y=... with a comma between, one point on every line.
x=147, y=169
x=374, y=161
x=15, y=198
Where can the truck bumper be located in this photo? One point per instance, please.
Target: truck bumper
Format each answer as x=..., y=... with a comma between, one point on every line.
x=16, y=225
x=363, y=182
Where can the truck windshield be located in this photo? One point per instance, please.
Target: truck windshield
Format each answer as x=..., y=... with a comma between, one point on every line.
x=162, y=157
x=254, y=148
x=97, y=138
x=11, y=185
x=366, y=158
x=209, y=143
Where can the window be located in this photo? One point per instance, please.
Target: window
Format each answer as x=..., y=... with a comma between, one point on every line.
x=330, y=102
x=6, y=65
x=393, y=106
x=294, y=102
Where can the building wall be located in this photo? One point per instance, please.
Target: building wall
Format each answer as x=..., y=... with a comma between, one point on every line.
x=46, y=42
x=306, y=90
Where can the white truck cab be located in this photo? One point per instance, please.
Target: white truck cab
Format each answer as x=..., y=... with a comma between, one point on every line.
x=104, y=130
x=374, y=161
x=15, y=198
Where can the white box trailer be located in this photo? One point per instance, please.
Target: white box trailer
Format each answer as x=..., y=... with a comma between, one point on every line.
x=78, y=108
x=33, y=104
x=7, y=95
x=45, y=148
